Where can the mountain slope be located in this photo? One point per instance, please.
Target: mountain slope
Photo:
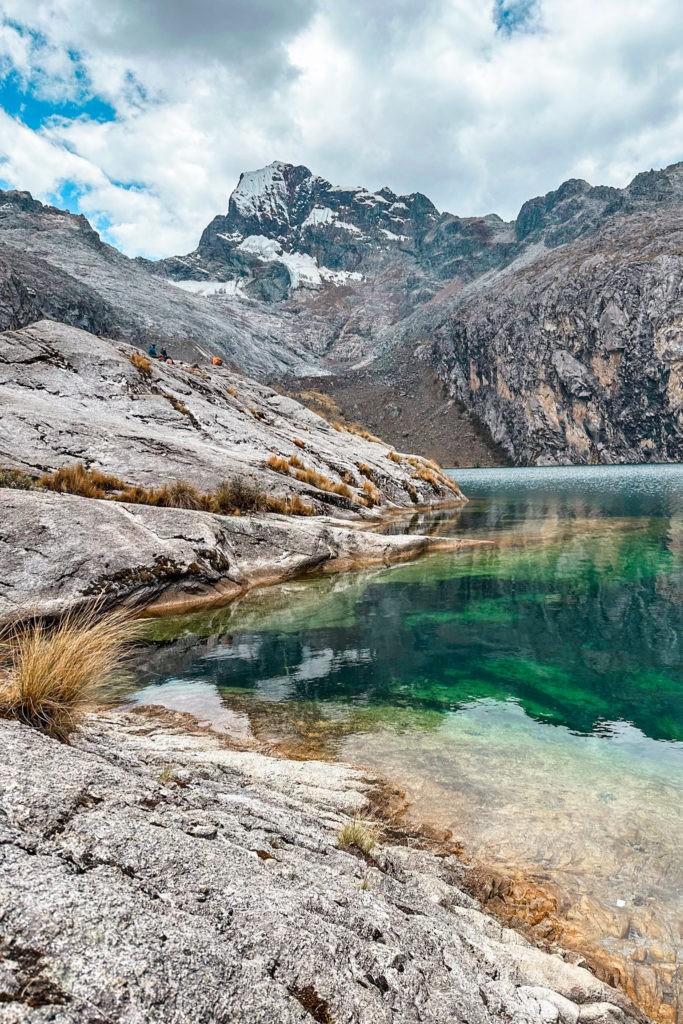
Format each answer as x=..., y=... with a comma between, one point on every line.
x=516, y=321
x=68, y=397
x=53, y=264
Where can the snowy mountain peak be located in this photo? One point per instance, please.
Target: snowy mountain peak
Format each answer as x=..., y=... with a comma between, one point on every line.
x=287, y=228
x=269, y=196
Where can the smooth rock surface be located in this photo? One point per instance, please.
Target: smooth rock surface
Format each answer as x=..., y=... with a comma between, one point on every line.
x=59, y=551
x=151, y=875
x=68, y=397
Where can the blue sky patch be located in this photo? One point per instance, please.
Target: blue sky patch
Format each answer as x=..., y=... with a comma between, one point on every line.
x=511, y=16
x=22, y=102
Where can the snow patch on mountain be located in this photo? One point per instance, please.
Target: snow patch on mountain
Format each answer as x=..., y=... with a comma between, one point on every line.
x=351, y=228
x=392, y=237
x=263, y=248
x=339, y=277
x=319, y=215
x=231, y=289
x=303, y=269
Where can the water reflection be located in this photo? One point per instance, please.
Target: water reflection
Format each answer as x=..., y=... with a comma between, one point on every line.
x=579, y=620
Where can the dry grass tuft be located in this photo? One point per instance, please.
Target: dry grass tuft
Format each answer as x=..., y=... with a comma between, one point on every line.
x=50, y=674
x=394, y=457
x=366, y=471
x=358, y=835
x=295, y=462
x=88, y=483
x=238, y=495
x=183, y=495
x=336, y=426
x=322, y=482
x=372, y=494
x=299, y=443
x=355, y=428
x=292, y=505
x=428, y=470
x=256, y=413
x=141, y=363
x=279, y=464
x=231, y=391
x=319, y=402
x=422, y=473
x=231, y=497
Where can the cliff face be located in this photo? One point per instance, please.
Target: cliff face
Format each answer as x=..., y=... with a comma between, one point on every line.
x=577, y=356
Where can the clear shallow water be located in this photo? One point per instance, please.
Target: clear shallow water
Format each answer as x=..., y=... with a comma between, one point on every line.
x=526, y=694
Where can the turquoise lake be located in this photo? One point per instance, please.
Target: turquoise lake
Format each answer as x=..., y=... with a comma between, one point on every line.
x=526, y=694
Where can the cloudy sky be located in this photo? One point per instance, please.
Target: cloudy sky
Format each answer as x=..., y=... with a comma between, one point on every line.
x=142, y=113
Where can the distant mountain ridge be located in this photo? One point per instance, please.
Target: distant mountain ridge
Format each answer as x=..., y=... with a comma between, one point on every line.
x=282, y=210
x=558, y=332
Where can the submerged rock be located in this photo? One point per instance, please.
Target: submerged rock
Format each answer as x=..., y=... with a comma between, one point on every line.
x=151, y=874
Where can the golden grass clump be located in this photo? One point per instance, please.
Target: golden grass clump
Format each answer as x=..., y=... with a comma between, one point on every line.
x=49, y=675
x=430, y=471
x=295, y=461
x=355, y=428
x=372, y=494
x=299, y=443
x=256, y=413
x=358, y=835
x=88, y=483
x=366, y=470
x=279, y=464
x=319, y=401
x=394, y=457
x=230, y=497
x=141, y=363
x=422, y=473
x=322, y=482
x=293, y=505
x=238, y=495
x=231, y=391
x=183, y=495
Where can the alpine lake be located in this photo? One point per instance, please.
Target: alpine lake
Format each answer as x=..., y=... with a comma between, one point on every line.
x=526, y=696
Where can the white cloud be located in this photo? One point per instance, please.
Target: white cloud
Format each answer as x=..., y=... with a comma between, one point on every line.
x=426, y=97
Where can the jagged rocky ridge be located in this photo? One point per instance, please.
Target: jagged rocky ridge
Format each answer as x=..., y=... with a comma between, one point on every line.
x=559, y=331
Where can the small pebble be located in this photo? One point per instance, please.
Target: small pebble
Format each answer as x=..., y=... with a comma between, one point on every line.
x=202, y=831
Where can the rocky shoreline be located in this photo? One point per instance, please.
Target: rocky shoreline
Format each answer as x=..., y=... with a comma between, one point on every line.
x=59, y=552
x=156, y=872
